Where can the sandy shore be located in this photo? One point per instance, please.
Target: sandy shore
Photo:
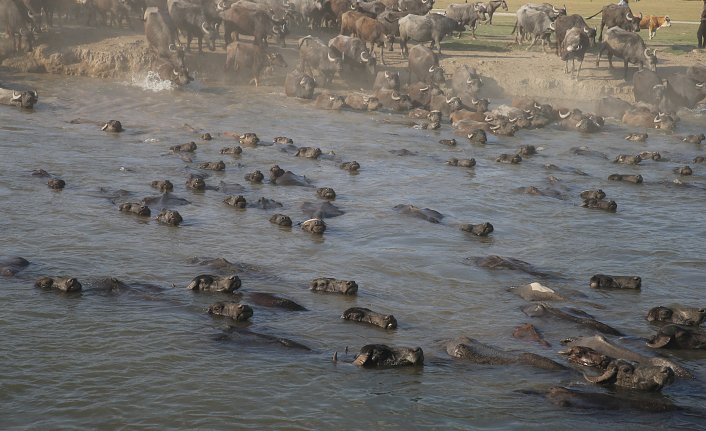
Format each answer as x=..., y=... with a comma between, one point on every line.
x=121, y=53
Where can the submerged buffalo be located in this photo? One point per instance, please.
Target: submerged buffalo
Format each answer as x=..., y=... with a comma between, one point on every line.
x=10, y=266
x=23, y=99
x=689, y=316
x=214, y=283
x=365, y=315
x=64, y=284
x=234, y=310
x=332, y=285
x=601, y=281
x=380, y=355
x=678, y=337
x=478, y=353
x=576, y=316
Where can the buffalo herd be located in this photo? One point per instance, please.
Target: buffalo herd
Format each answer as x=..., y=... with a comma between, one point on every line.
x=430, y=96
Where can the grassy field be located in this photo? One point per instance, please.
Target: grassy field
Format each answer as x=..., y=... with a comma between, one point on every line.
x=677, y=39
x=679, y=10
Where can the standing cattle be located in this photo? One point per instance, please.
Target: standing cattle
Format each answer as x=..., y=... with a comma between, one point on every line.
x=628, y=46
x=18, y=22
x=191, y=21
x=388, y=80
x=432, y=27
x=314, y=56
x=336, y=8
x=552, y=11
x=369, y=8
x=423, y=64
x=564, y=23
x=112, y=12
x=309, y=12
x=260, y=25
x=681, y=91
x=252, y=58
x=390, y=19
x=371, y=31
x=652, y=23
x=299, y=84
x=416, y=7
x=352, y=52
x=487, y=10
x=467, y=14
x=348, y=21
x=533, y=23
x=161, y=34
x=614, y=15
x=573, y=48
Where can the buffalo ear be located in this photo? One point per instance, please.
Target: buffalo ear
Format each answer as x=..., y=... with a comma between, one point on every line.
x=603, y=378
x=659, y=341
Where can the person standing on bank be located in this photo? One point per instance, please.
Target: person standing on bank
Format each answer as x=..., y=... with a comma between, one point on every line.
x=701, y=33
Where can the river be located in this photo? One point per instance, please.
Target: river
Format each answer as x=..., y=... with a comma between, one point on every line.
x=152, y=358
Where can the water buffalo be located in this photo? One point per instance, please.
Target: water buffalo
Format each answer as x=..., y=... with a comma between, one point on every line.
x=372, y=31
x=214, y=283
x=112, y=12
x=623, y=374
x=680, y=91
x=23, y=99
x=348, y=21
x=601, y=281
x=466, y=84
x=329, y=101
x=234, y=310
x=64, y=284
x=299, y=84
x=314, y=57
x=161, y=34
x=11, y=265
x=365, y=315
x=353, y=53
x=332, y=285
x=533, y=23
x=628, y=46
x=573, y=47
x=678, y=337
x=467, y=14
x=168, y=71
x=432, y=27
x=169, y=217
x=191, y=20
x=390, y=19
x=380, y=355
x=112, y=126
x=476, y=352
x=236, y=201
x=564, y=23
x=326, y=193
x=415, y=7
x=135, y=208
x=387, y=80
x=241, y=20
x=423, y=64
x=18, y=22
x=393, y=100
x=689, y=316
x=545, y=310
x=648, y=87
x=252, y=58
x=614, y=15
x=314, y=225
x=362, y=102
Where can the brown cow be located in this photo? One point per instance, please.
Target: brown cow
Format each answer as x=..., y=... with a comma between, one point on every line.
x=246, y=56
x=652, y=23
x=348, y=20
x=372, y=31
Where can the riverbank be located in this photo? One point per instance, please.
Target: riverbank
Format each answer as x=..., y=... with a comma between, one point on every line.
x=110, y=53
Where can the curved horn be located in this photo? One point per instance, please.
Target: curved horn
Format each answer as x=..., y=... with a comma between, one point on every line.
x=474, y=101
x=221, y=6
x=332, y=98
x=175, y=72
x=172, y=47
x=563, y=116
x=449, y=100
x=494, y=127
x=387, y=74
x=395, y=96
x=353, y=7
x=609, y=373
x=699, y=85
x=654, y=52
x=512, y=120
x=16, y=97
x=105, y=126
x=303, y=81
x=205, y=29
x=585, y=29
x=628, y=16
x=431, y=69
x=274, y=29
x=427, y=88
x=537, y=106
x=488, y=119
x=647, y=50
x=30, y=14
x=35, y=94
x=657, y=119
x=552, y=26
x=555, y=9
x=364, y=57
x=331, y=59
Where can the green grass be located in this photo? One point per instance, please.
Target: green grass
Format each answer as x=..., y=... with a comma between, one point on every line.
x=677, y=39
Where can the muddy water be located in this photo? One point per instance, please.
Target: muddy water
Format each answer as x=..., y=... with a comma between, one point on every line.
x=151, y=358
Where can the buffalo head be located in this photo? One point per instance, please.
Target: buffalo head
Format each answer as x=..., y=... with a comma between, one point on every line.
x=26, y=99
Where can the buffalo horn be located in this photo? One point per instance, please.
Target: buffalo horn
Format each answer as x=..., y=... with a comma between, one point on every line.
x=16, y=96
x=395, y=96
x=494, y=127
x=654, y=52
x=364, y=57
x=431, y=69
x=488, y=119
x=563, y=116
x=352, y=7
x=647, y=50
x=332, y=98
x=30, y=14
x=628, y=16
x=555, y=9
x=527, y=111
x=552, y=26
x=699, y=85
x=427, y=88
x=387, y=74
x=474, y=101
x=274, y=29
x=172, y=47
x=331, y=59
x=221, y=6
x=536, y=105
x=657, y=119
x=469, y=80
x=105, y=126
x=585, y=29
x=204, y=27
x=302, y=82
x=35, y=94
x=609, y=373
x=512, y=120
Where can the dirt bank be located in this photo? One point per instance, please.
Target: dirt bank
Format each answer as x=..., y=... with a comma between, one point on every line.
x=121, y=53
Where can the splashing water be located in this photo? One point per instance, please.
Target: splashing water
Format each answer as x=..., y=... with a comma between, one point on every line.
x=152, y=82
